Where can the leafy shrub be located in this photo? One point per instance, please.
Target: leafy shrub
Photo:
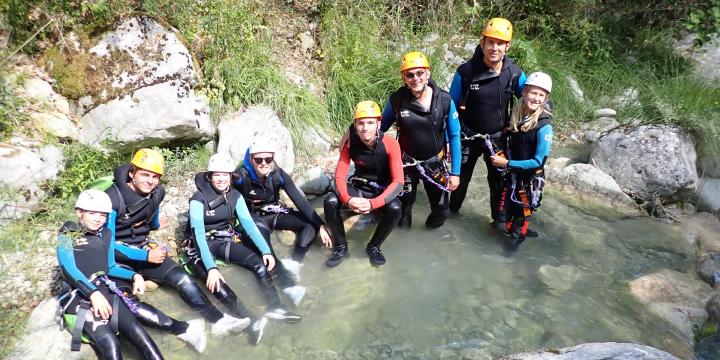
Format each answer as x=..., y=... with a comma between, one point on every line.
x=83, y=165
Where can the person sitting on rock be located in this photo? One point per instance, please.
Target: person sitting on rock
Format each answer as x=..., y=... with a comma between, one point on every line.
x=99, y=306
x=375, y=185
x=260, y=180
x=530, y=137
x=136, y=196
x=214, y=209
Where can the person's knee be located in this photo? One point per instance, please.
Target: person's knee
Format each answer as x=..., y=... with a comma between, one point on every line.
x=108, y=345
x=331, y=202
x=393, y=208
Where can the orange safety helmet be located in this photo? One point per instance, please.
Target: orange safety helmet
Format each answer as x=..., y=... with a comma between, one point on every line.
x=498, y=28
x=150, y=160
x=367, y=109
x=414, y=59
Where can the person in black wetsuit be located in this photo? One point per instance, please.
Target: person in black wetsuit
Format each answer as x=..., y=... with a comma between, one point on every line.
x=260, y=180
x=530, y=138
x=484, y=89
x=213, y=210
x=136, y=196
x=428, y=133
x=98, y=306
x=374, y=186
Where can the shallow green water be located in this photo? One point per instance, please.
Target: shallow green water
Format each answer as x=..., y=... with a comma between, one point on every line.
x=457, y=288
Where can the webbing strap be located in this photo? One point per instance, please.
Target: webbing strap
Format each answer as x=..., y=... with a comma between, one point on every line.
x=525, y=203
x=115, y=316
x=76, y=340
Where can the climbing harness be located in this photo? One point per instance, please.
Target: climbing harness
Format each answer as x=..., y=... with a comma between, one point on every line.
x=434, y=170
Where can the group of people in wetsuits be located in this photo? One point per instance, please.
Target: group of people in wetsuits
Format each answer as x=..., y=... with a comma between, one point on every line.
x=108, y=253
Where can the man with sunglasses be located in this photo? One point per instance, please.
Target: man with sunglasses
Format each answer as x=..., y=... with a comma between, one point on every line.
x=428, y=133
x=485, y=87
x=374, y=186
x=260, y=181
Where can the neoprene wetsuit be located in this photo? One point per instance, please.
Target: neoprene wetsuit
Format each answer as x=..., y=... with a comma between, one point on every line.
x=86, y=260
x=262, y=196
x=485, y=98
x=378, y=177
x=423, y=135
x=211, y=221
x=134, y=217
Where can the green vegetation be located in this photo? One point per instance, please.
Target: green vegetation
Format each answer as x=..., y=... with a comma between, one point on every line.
x=609, y=46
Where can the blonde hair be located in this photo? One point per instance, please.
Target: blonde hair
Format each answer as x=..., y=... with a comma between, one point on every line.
x=523, y=121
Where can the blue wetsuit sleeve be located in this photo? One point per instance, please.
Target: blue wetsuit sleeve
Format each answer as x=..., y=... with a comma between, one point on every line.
x=114, y=269
x=388, y=117
x=521, y=84
x=456, y=88
x=248, y=224
x=155, y=223
x=542, y=151
x=131, y=252
x=452, y=132
x=197, y=223
x=66, y=259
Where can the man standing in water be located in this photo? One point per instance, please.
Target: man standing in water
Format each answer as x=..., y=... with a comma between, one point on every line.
x=377, y=181
x=485, y=87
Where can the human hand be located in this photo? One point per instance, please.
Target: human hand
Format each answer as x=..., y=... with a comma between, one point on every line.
x=269, y=261
x=138, y=284
x=100, y=306
x=453, y=182
x=213, y=280
x=498, y=161
x=325, y=236
x=156, y=255
x=359, y=205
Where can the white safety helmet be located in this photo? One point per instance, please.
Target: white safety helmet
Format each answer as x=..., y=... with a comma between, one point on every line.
x=94, y=200
x=221, y=163
x=541, y=80
x=261, y=147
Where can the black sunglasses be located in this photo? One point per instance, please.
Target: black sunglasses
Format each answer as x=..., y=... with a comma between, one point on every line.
x=259, y=160
x=419, y=74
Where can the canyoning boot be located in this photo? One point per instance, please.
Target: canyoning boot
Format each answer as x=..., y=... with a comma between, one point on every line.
x=257, y=329
x=228, y=324
x=435, y=221
x=376, y=256
x=295, y=293
x=531, y=233
x=195, y=335
x=340, y=252
x=283, y=314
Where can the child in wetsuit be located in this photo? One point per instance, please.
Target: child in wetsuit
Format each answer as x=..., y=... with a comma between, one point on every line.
x=529, y=140
x=100, y=306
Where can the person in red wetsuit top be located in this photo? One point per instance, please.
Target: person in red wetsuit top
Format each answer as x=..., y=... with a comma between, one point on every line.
x=375, y=185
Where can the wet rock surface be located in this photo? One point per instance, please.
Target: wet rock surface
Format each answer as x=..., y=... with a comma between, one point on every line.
x=588, y=182
x=596, y=351
x=654, y=159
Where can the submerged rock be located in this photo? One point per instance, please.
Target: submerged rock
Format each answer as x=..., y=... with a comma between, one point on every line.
x=649, y=159
x=676, y=297
x=588, y=182
x=596, y=351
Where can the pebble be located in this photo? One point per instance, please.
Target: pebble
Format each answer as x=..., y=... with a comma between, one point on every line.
x=605, y=112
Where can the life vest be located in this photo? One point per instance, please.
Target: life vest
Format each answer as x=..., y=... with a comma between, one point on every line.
x=522, y=145
x=134, y=211
x=373, y=164
x=257, y=192
x=90, y=249
x=421, y=132
x=218, y=209
x=487, y=96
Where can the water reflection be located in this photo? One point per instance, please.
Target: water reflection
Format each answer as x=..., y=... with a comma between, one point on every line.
x=456, y=290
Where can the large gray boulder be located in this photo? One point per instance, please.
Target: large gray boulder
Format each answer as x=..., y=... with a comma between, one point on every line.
x=649, y=159
x=586, y=182
x=596, y=351
x=22, y=172
x=676, y=297
x=43, y=339
x=241, y=129
x=147, y=93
